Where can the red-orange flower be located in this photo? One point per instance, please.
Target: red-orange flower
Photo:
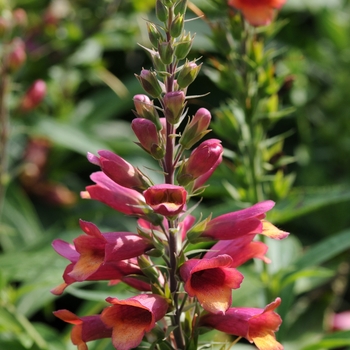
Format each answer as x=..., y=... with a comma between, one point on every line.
x=211, y=281
x=130, y=319
x=257, y=12
x=256, y=325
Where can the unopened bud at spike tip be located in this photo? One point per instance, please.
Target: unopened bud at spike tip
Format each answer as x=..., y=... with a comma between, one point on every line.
x=145, y=109
x=153, y=34
x=177, y=26
x=150, y=83
x=34, y=95
x=188, y=74
x=196, y=128
x=201, y=160
x=174, y=103
x=17, y=55
x=161, y=11
x=183, y=47
x=181, y=7
x=166, y=52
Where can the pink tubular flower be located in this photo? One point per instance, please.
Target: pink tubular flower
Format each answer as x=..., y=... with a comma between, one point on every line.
x=242, y=222
x=114, y=271
x=96, y=248
x=20, y=17
x=196, y=129
x=119, y=170
x=120, y=198
x=257, y=12
x=256, y=325
x=165, y=199
x=240, y=250
x=33, y=96
x=130, y=319
x=211, y=281
x=202, y=159
x=201, y=180
x=147, y=134
x=86, y=328
x=340, y=321
x=17, y=56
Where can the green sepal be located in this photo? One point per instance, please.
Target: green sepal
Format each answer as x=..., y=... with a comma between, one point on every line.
x=166, y=52
x=177, y=26
x=147, y=268
x=181, y=7
x=161, y=11
x=195, y=232
x=183, y=47
x=154, y=34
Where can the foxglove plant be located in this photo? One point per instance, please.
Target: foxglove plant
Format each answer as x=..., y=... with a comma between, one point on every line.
x=180, y=290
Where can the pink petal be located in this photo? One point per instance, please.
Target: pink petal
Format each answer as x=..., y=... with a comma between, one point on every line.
x=65, y=249
x=118, y=197
x=86, y=328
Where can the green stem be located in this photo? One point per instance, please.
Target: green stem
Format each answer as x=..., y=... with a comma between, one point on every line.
x=252, y=142
x=4, y=131
x=169, y=169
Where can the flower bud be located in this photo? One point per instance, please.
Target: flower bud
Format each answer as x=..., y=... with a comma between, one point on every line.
x=158, y=65
x=150, y=83
x=17, y=55
x=145, y=109
x=201, y=160
x=20, y=17
x=119, y=170
x=147, y=134
x=169, y=3
x=4, y=26
x=183, y=47
x=153, y=34
x=181, y=7
x=142, y=103
x=196, y=129
x=161, y=11
x=34, y=95
x=177, y=26
x=201, y=180
x=188, y=74
x=166, y=52
x=173, y=106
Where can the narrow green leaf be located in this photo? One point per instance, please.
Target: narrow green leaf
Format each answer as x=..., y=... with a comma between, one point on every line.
x=332, y=341
x=325, y=250
x=68, y=136
x=308, y=279
x=302, y=201
x=93, y=295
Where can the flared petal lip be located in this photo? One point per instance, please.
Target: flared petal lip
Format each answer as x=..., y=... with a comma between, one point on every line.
x=66, y=250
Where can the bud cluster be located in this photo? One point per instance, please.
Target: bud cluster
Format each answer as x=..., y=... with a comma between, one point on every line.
x=161, y=259
x=14, y=56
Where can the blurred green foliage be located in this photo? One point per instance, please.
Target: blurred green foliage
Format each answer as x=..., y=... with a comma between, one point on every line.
x=87, y=53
